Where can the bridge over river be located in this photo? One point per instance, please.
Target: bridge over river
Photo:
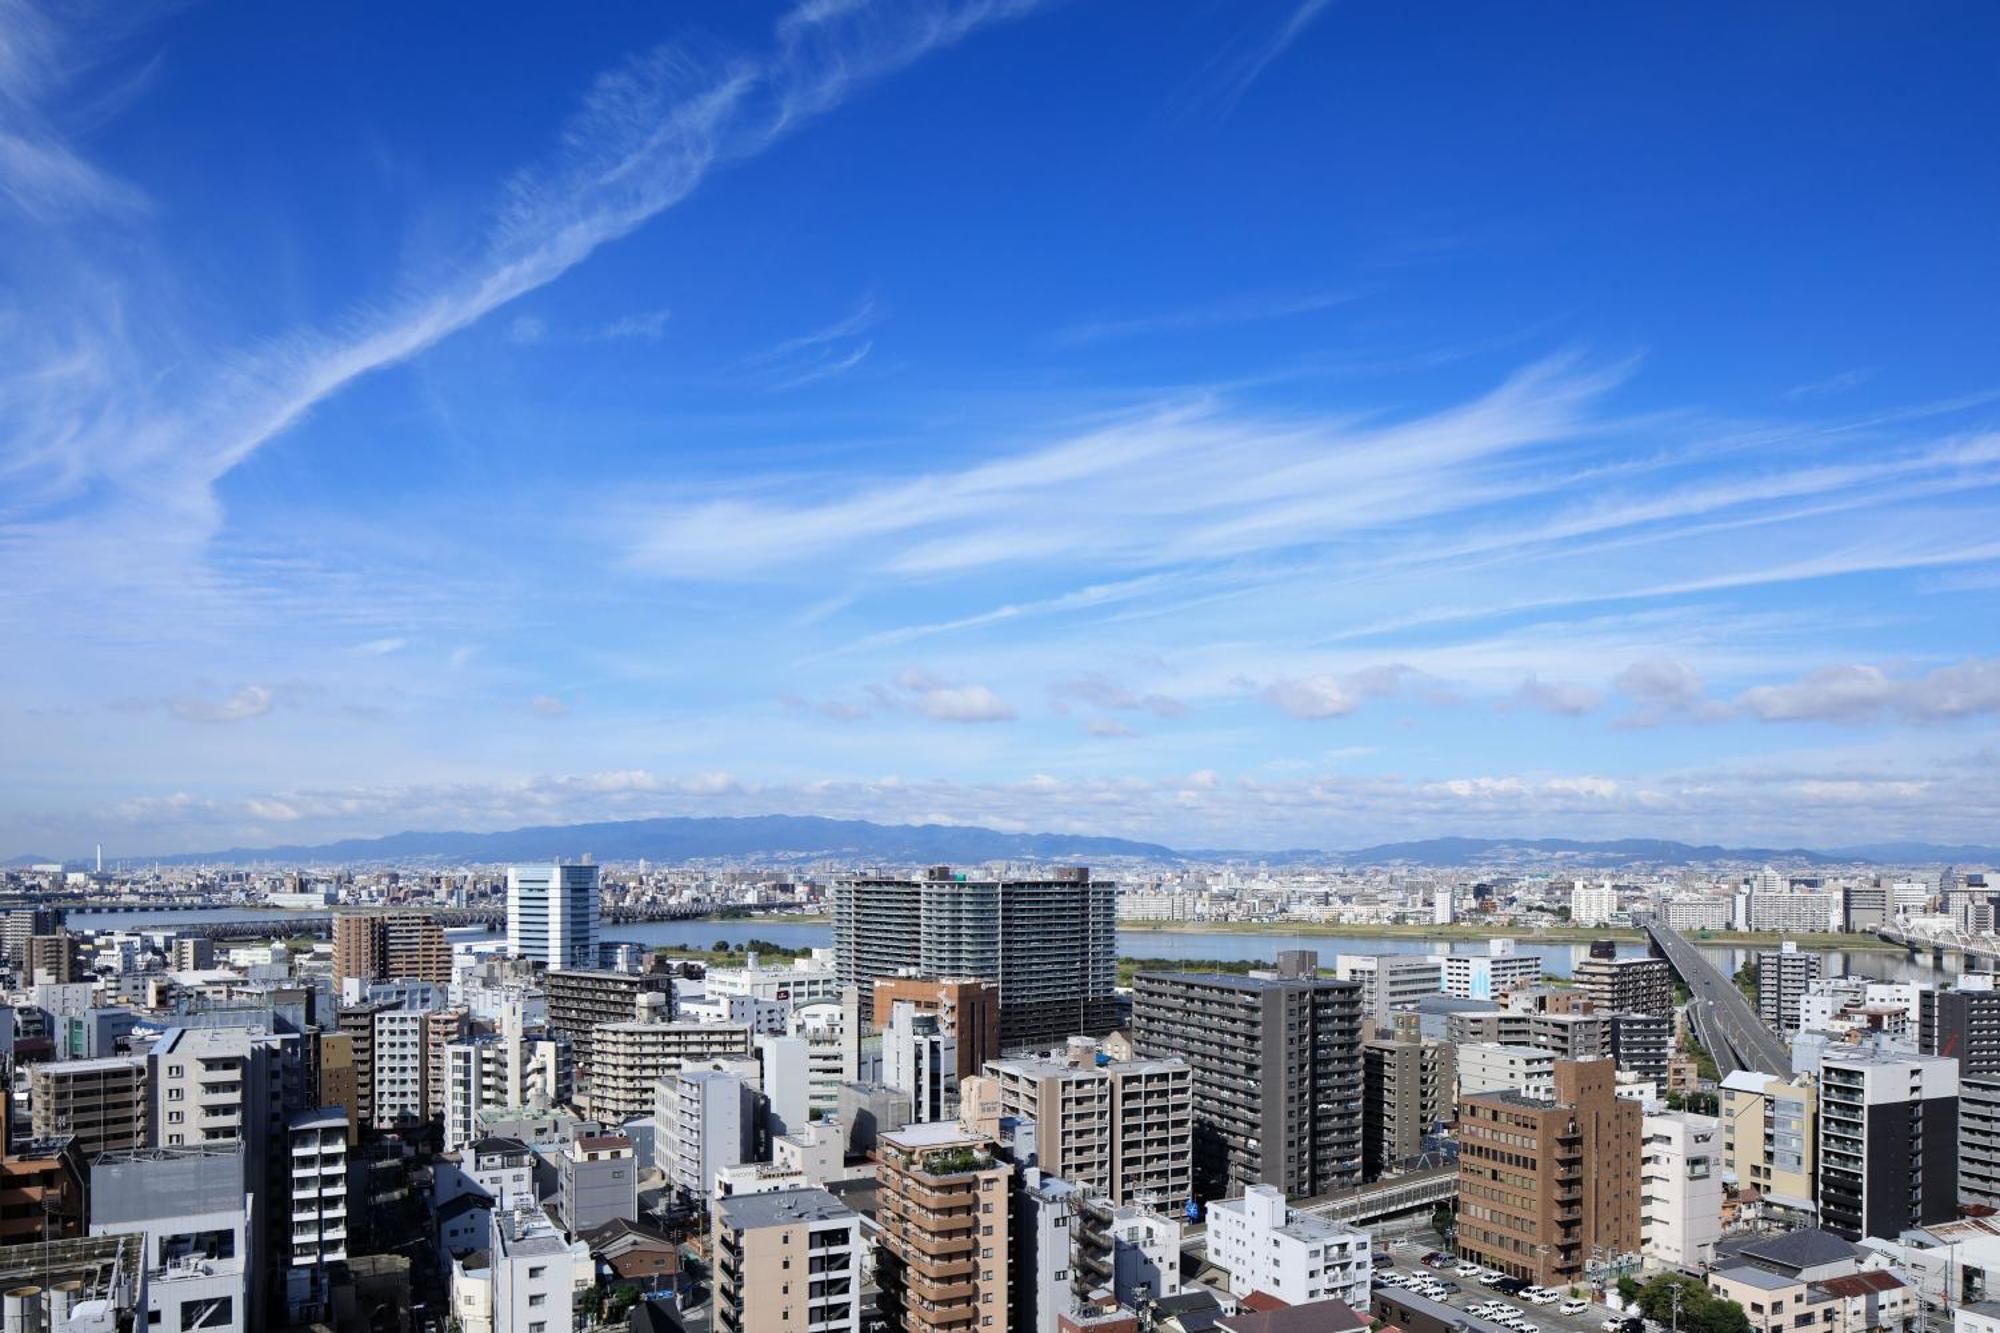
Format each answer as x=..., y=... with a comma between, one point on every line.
x=1723, y=1019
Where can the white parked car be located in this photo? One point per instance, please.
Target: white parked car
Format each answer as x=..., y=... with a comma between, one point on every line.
x=1540, y=1296
x=1571, y=1309
x=1612, y=1325
x=1467, y=1271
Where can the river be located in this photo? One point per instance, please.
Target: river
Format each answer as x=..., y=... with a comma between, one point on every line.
x=1229, y=946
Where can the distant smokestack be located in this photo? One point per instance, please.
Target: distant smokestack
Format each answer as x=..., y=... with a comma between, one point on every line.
x=100, y=858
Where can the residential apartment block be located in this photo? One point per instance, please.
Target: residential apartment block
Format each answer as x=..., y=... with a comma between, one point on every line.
x=1770, y=1138
x=1049, y=944
x=1888, y=1142
x=402, y=946
x=1122, y=1129
x=789, y=1261
x=1408, y=1093
x=1625, y=985
x=101, y=1103
x=942, y=1202
x=1296, y=1257
x=1784, y=975
x=1680, y=1202
x=1277, y=1072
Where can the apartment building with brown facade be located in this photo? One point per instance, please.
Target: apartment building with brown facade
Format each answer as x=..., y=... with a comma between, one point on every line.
x=941, y=1199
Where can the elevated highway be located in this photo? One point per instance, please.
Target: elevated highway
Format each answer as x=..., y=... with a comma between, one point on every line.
x=1723, y=1019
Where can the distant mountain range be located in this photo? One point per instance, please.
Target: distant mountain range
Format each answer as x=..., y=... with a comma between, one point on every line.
x=806, y=837
x=685, y=839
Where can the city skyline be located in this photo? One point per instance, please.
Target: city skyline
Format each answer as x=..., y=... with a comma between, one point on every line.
x=1257, y=426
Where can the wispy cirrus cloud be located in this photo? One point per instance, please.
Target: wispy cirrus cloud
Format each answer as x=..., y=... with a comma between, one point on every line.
x=824, y=353
x=1240, y=310
x=1228, y=484
x=1832, y=384
x=647, y=136
x=641, y=326
x=1231, y=75
x=42, y=175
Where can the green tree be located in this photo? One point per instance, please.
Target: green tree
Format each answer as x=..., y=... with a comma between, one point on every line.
x=1748, y=979
x=1700, y=1310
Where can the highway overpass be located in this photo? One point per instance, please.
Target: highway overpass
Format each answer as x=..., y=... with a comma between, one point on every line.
x=1723, y=1018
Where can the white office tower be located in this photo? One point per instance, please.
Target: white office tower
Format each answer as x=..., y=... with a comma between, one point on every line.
x=203, y=1240
x=1680, y=1196
x=552, y=914
x=704, y=1120
x=1442, y=910
x=919, y=1057
x=318, y=1155
x=1296, y=1257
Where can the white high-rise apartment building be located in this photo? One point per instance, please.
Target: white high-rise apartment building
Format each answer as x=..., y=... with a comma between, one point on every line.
x=919, y=1057
x=399, y=1066
x=552, y=914
x=1296, y=1257
x=318, y=1154
x=505, y=1072
x=629, y=1058
x=1680, y=1197
x=1592, y=904
x=704, y=1120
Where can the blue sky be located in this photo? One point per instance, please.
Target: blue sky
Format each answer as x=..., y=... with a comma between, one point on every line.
x=1231, y=424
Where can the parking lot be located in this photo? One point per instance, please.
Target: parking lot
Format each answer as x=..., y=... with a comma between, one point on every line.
x=1407, y=1256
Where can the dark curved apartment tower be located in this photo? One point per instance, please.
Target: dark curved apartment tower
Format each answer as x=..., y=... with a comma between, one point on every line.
x=1050, y=944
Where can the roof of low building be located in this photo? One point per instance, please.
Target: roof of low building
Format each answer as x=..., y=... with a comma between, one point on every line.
x=1862, y=1283
x=1750, y=1275
x=1807, y=1248
x=1312, y=1317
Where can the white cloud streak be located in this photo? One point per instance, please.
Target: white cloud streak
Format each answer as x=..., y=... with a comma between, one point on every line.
x=647, y=136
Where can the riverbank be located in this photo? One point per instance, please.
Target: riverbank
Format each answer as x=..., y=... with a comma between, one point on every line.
x=1463, y=932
